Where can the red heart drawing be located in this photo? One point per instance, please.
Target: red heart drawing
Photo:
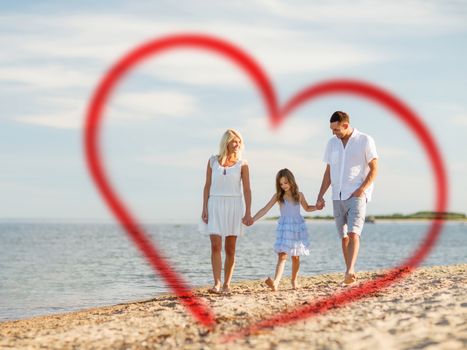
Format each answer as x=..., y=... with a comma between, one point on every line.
x=277, y=115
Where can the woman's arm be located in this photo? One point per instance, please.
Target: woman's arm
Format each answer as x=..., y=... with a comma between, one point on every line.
x=207, y=187
x=266, y=208
x=245, y=173
x=305, y=204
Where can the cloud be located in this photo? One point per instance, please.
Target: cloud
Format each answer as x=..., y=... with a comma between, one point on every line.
x=294, y=131
x=291, y=57
x=460, y=119
x=46, y=76
x=98, y=40
x=59, y=120
x=143, y=105
x=69, y=113
x=433, y=16
x=71, y=52
x=284, y=48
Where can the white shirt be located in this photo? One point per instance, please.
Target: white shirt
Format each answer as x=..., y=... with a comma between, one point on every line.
x=349, y=165
x=226, y=181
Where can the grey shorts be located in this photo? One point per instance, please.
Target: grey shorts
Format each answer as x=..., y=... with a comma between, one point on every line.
x=349, y=215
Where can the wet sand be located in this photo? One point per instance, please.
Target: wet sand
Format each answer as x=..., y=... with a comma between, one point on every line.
x=427, y=310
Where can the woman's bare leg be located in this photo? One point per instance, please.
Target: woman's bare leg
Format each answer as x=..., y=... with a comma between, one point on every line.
x=229, y=264
x=216, y=261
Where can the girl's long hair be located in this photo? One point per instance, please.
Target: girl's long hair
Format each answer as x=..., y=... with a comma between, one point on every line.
x=228, y=136
x=293, y=185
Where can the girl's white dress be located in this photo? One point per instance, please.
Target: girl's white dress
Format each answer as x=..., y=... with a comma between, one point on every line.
x=291, y=232
x=225, y=204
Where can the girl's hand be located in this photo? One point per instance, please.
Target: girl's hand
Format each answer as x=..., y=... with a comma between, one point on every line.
x=204, y=216
x=320, y=203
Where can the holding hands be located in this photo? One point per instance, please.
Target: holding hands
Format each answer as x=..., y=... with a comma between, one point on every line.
x=247, y=220
x=320, y=203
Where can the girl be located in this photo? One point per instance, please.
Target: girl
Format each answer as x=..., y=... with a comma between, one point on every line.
x=223, y=207
x=291, y=233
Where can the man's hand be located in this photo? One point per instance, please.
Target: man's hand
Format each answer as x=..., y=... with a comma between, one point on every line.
x=358, y=193
x=320, y=203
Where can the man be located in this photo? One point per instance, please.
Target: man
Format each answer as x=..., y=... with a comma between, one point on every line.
x=352, y=164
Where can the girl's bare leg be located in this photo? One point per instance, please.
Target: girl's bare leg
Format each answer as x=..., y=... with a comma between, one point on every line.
x=274, y=284
x=295, y=269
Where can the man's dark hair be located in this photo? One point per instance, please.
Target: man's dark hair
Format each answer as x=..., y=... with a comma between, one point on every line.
x=340, y=117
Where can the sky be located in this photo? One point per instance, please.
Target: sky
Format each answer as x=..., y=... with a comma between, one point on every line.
x=166, y=118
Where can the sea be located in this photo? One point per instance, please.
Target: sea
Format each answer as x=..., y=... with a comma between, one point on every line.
x=49, y=268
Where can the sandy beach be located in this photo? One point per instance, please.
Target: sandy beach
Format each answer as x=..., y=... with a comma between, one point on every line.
x=428, y=310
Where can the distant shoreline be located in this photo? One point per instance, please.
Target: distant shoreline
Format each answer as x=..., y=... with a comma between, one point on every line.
x=268, y=220
x=308, y=218
x=420, y=216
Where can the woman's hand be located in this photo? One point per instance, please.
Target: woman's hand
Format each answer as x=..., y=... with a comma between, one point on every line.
x=247, y=220
x=204, y=216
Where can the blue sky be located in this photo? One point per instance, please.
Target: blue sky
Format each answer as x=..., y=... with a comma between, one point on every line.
x=167, y=116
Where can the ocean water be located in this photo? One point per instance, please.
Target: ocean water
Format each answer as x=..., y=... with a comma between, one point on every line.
x=55, y=268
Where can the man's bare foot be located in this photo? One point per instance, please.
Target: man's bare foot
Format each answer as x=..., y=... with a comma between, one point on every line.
x=215, y=290
x=350, y=279
x=271, y=284
x=295, y=285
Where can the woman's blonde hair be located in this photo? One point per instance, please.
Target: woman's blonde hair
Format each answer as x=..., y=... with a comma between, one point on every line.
x=228, y=136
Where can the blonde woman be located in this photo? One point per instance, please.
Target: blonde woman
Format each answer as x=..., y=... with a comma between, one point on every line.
x=223, y=206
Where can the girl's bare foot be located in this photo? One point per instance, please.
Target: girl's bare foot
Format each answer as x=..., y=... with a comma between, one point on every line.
x=270, y=283
x=215, y=290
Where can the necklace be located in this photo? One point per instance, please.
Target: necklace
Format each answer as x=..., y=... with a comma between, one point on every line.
x=225, y=167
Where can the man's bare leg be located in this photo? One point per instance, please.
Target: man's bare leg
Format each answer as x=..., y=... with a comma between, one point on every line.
x=345, y=249
x=352, y=254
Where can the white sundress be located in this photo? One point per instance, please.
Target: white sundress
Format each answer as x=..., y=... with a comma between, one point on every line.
x=225, y=204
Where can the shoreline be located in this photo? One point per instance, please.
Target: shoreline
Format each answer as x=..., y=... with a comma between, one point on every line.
x=428, y=307
x=393, y=221
x=177, y=222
